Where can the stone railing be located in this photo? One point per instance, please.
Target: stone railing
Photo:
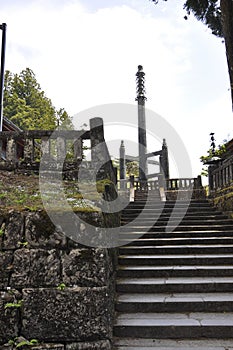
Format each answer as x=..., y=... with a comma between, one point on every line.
x=220, y=174
x=186, y=187
x=183, y=184
x=22, y=151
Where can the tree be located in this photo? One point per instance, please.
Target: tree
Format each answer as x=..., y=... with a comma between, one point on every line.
x=27, y=106
x=218, y=16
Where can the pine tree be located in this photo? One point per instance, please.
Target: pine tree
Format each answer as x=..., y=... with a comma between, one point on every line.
x=27, y=106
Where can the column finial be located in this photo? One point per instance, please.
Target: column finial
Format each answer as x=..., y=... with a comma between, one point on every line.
x=140, y=80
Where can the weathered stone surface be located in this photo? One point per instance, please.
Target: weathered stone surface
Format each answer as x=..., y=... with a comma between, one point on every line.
x=9, y=316
x=40, y=232
x=13, y=231
x=66, y=316
x=37, y=347
x=87, y=232
x=97, y=345
x=35, y=268
x=85, y=267
x=49, y=347
x=6, y=259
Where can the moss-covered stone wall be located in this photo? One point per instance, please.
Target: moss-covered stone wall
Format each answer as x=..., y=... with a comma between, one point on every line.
x=54, y=293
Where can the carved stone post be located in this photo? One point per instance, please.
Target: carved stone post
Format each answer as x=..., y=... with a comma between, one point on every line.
x=29, y=149
x=61, y=148
x=78, y=149
x=99, y=151
x=210, y=178
x=164, y=162
x=11, y=150
x=45, y=146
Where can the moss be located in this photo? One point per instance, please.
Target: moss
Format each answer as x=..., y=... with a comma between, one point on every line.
x=19, y=192
x=100, y=185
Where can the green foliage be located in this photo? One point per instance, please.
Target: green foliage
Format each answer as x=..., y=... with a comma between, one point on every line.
x=17, y=343
x=23, y=244
x=16, y=305
x=31, y=342
x=206, y=11
x=61, y=286
x=100, y=185
x=26, y=105
x=219, y=152
x=132, y=168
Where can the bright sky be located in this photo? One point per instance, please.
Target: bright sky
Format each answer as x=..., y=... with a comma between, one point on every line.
x=86, y=52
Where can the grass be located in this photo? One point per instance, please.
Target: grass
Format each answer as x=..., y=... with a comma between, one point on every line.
x=21, y=192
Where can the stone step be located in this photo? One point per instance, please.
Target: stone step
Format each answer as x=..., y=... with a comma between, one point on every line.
x=175, y=326
x=172, y=344
x=165, y=216
x=163, y=206
x=174, y=302
x=151, y=271
x=176, y=249
x=168, y=260
x=184, y=222
x=176, y=241
x=179, y=227
x=176, y=234
x=175, y=285
x=150, y=210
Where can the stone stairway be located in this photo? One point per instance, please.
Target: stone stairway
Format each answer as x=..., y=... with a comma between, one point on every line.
x=175, y=288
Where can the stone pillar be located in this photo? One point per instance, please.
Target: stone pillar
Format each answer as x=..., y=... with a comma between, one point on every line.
x=97, y=139
x=142, y=143
x=29, y=149
x=99, y=151
x=210, y=178
x=78, y=149
x=61, y=148
x=164, y=162
x=45, y=146
x=11, y=150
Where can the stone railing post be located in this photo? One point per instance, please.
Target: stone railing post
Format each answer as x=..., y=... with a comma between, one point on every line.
x=210, y=178
x=61, y=148
x=11, y=150
x=97, y=138
x=164, y=162
x=29, y=149
x=99, y=150
x=78, y=149
x=45, y=146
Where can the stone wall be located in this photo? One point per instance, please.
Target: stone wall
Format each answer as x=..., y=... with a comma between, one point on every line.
x=53, y=289
x=223, y=200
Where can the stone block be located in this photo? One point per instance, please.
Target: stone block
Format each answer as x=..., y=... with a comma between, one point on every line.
x=35, y=268
x=9, y=316
x=70, y=315
x=85, y=267
x=97, y=345
x=40, y=232
x=13, y=230
x=6, y=259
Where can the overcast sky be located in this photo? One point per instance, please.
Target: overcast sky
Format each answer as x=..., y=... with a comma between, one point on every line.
x=86, y=53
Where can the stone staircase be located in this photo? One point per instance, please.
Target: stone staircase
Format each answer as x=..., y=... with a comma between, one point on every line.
x=175, y=288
